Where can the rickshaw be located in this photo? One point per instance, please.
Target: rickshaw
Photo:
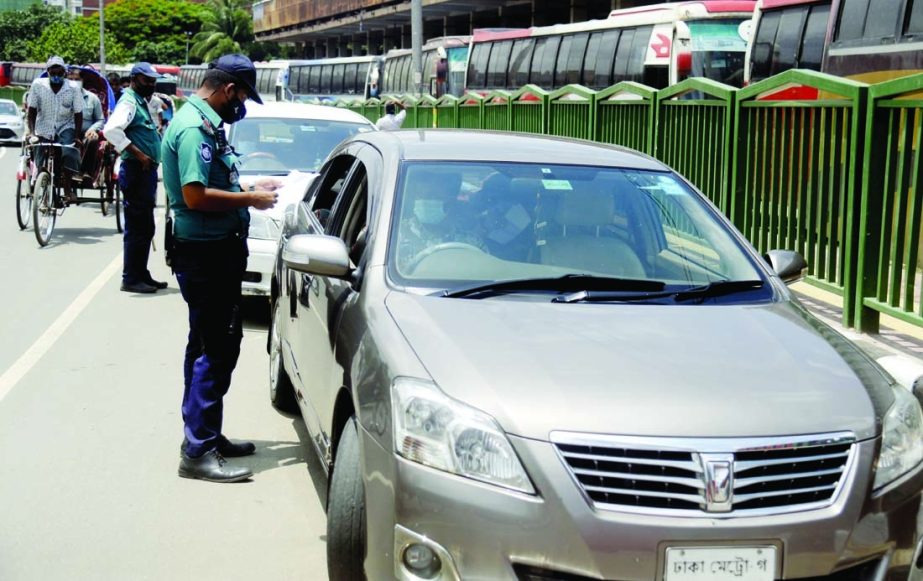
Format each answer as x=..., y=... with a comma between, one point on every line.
x=43, y=198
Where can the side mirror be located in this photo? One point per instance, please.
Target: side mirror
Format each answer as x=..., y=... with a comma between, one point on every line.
x=316, y=254
x=789, y=265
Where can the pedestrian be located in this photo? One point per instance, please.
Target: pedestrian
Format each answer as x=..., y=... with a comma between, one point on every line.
x=208, y=254
x=393, y=119
x=56, y=115
x=167, y=112
x=93, y=121
x=132, y=132
x=155, y=105
x=115, y=83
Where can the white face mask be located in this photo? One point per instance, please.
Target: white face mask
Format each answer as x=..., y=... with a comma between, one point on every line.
x=76, y=84
x=429, y=211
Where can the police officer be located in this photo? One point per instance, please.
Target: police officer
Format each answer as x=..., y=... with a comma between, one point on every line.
x=209, y=256
x=134, y=134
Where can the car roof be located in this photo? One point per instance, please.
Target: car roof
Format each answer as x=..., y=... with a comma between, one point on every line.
x=472, y=145
x=304, y=111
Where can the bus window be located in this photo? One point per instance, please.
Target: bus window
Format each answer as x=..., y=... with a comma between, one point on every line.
x=337, y=72
x=638, y=52
x=404, y=79
x=882, y=18
x=852, y=19
x=718, y=49
x=313, y=74
x=812, y=47
x=606, y=58
x=589, y=60
x=520, y=61
x=763, y=44
x=354, y=83
x=498, y=64
x=785, y=48
x=622, y=56
x=575, y=58
x=477, y=67
x=548, y=60
x=915, y=21
x=560, y=69
x=538, y=56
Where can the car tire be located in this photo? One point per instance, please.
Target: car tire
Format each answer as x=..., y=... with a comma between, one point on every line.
x=346, y=511
x=281, y=390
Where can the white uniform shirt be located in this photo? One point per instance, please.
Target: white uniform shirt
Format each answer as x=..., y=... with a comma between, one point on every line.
x=155, y=106
x=119, y=121
x=391, y=122
x=55, y=111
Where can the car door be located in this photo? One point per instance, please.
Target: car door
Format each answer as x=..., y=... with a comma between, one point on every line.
x=333, y=297
x=302, y=292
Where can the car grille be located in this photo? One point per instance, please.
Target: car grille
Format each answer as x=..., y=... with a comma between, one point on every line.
x=656, y=475
x=6, y=133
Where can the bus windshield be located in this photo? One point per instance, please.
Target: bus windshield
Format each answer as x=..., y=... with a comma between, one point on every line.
x=718, y=50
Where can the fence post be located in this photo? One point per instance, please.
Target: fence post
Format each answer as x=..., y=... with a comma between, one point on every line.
x=529, y=110
x=625, y=115
x=796, y=179
x=572, y=112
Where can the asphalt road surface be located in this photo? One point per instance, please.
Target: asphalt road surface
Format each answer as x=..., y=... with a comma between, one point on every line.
x=90, y=426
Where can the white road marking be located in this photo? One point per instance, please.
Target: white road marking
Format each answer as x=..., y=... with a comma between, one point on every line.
x=2, y=152
x=54, y=331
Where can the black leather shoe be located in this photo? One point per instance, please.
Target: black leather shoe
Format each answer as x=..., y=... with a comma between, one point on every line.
x=227, y=448
x=138, y=287
x=156, y=283
x=211, y=466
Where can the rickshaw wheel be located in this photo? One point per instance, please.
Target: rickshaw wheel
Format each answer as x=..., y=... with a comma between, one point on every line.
x=23, y=204
x=44, y=213
x=105, y=197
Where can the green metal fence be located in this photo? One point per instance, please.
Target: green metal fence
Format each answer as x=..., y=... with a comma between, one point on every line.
x=470, y=111
x=496, y=115
x=796, y=175
x=529, y=110
x=625, y=116
x=892, y=205
x=411, y=109
x=372, y=109
x=447, y=112
x=571, y=112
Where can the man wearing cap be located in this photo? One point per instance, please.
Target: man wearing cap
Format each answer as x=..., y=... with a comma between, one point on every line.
x=134, y=135
x=55, y=115
x=209, y=256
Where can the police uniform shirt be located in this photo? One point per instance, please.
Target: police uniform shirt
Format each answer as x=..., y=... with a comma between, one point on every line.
x=195, y=151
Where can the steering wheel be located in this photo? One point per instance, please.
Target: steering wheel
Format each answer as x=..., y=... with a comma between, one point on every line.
x=426, y=252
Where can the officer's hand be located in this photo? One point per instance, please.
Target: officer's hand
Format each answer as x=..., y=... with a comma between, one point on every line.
x=145, y=162
x=91, y=135
x=263, y=200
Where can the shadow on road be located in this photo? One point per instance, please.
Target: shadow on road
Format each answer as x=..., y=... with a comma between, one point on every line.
x=82, y=235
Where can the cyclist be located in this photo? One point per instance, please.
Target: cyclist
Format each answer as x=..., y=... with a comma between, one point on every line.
x=55, y=114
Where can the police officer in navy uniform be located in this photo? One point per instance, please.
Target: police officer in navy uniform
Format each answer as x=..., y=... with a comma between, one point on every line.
x=134, y=134
x=209, y=256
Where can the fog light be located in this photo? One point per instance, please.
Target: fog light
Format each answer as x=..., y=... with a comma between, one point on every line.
x=421, y=561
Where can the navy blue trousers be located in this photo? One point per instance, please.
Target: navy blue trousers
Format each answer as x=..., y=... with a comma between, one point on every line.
x=209, y=276
x=139, y=190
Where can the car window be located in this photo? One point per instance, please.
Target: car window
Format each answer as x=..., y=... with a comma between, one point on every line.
x=330, y=182
x=278, y=145
x=475, y=221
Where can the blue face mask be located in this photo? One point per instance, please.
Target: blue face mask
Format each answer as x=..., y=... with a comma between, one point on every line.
x=56, y=80
x=429, y=211
x=236, y=111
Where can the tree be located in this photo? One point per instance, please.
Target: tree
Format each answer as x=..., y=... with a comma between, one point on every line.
x=18, y=26
x=155, y=29
x=227, y=25
x=76, y=42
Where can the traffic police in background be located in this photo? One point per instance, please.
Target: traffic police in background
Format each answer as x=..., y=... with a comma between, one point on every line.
x=133, y=133
x=208, y=253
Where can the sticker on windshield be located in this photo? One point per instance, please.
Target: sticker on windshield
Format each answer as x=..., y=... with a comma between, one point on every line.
x=556, y=185
x=308, y=128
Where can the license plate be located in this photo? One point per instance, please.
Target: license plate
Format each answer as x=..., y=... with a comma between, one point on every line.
x=716, y=563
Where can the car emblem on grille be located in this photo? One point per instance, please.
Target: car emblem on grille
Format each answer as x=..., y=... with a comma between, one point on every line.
x=718, y=475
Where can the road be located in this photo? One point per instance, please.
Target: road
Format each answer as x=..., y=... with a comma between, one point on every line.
x=90, y=427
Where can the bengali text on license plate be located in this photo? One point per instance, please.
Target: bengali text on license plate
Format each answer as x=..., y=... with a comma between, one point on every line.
x=716, y=563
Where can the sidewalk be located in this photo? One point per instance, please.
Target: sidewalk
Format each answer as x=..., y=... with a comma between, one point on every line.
x=898, y=348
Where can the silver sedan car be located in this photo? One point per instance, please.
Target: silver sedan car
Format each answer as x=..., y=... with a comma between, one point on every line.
x=521, y=357
x=12, y=124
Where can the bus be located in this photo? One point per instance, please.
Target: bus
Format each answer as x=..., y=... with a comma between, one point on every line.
x=444, y=62
x=268, y=74
x=24, y=73
x=657, y=45
x=839, y=37
x=329, y=79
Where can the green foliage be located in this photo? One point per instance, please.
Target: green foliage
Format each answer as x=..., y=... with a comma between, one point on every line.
x=76, y=42
x=226, y=26
x=264, y=51
x=156, y=30
x=18, y=26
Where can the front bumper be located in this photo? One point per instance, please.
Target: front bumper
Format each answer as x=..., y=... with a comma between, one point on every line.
x=260, y=264
x=11, y=134
x=490, y=533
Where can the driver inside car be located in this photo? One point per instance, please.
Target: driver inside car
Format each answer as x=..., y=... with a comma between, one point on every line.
x=432, y=214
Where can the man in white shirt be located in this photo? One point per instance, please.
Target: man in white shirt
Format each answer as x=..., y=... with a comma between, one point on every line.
x=156, y=107
x=393, y=119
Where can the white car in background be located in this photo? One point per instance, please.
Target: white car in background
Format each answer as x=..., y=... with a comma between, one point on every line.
x=11, y=122
x=289, y=141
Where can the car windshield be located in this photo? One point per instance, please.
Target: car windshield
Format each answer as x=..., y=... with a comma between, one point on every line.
x=457, y=224
x=275, y=145
x=718, y=50
x=8, y=109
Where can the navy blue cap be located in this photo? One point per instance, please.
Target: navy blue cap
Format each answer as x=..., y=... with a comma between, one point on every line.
x=242, y=69
x=144, y=69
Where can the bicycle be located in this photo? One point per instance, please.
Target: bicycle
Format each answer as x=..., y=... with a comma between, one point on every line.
x=46, y=190
x=24, y=173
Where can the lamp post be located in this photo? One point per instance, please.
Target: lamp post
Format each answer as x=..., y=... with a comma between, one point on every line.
x=102, y=38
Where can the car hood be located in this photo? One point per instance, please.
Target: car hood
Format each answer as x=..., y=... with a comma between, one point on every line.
x=294, y=186
x=646, y=370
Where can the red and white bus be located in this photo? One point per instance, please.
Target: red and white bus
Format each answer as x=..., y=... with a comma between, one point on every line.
x=656, y=45
x=444, y=61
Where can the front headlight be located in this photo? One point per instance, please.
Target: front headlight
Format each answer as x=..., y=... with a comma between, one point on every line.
x=435, y=430
x=901, y=440
x=262, y=227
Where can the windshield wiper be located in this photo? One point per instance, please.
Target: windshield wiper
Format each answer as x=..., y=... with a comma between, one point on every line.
x=714, y=289
x=717, y=289
x=569, y=283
